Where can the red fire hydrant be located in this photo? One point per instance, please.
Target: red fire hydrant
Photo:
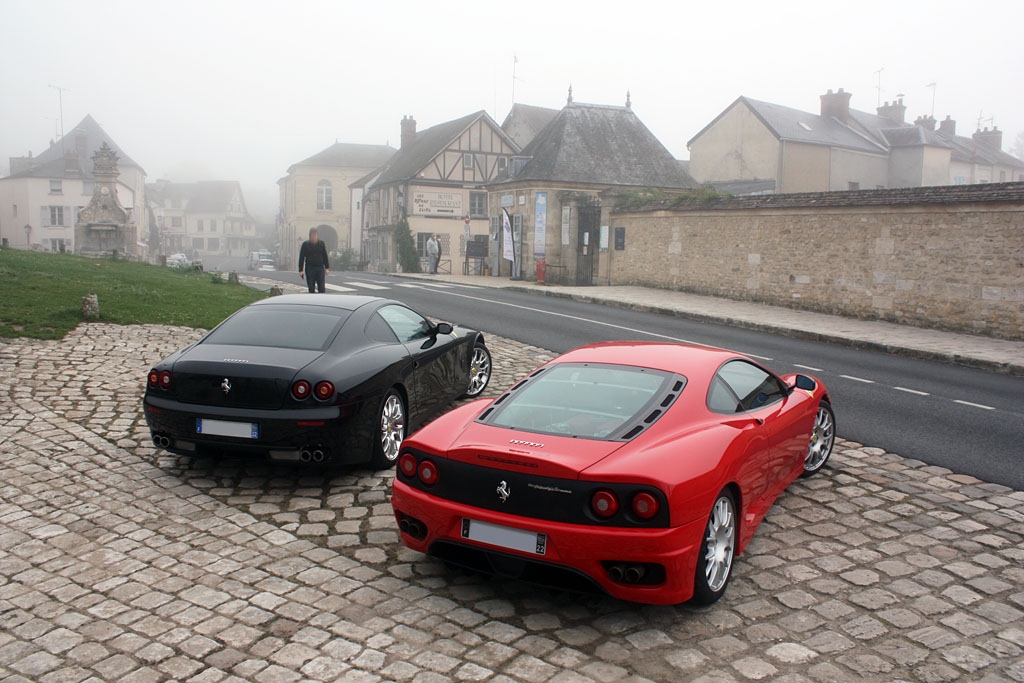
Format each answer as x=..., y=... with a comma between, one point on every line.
x=542, y=270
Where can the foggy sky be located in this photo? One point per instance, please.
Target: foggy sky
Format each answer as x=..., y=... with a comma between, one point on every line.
x=232, y=90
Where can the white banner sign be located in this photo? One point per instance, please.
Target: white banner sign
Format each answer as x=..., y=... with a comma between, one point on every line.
x=507, y=250
x=437, y=203
x=540, y=224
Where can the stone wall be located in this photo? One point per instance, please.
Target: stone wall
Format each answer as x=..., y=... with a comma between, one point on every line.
x=931, y=257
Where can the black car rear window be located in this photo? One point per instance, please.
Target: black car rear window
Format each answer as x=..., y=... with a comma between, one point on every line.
x=294, y=327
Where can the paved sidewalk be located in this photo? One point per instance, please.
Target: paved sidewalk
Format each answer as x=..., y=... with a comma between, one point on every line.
x=122, y=563
x=963, y=349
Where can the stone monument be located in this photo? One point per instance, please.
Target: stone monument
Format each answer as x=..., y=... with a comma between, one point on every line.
x=103, y=227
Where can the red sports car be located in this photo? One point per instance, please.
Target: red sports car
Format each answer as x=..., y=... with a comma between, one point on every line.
x=636, y=469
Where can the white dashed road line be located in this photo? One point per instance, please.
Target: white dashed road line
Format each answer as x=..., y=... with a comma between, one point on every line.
x=807, y=367
x=974, y=405
x=338, y=288
x=912, y=391
x=365, y=285
x=858, y=379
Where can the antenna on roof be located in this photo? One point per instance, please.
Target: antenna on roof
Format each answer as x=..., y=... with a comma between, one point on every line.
x=60, y=99
x=934, y=86
x=878, y=85
x=515, y=62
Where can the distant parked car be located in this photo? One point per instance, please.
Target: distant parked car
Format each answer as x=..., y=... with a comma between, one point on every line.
x=177, y=260
x=255, y=257
x=266, y=264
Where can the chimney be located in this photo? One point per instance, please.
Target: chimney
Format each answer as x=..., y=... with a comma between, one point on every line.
x=20, y=164
x=408, y=131
x=926, y=122
x=836, y=105
x=948, y=126
x=894, y=112
x=993, y=139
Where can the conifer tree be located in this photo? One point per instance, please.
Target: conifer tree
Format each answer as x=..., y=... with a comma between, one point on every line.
x=408, y=257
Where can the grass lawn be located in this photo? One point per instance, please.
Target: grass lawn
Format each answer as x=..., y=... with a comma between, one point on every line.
x=41, y=294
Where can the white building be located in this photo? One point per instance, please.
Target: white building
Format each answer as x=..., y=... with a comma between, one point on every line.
x=40, y=199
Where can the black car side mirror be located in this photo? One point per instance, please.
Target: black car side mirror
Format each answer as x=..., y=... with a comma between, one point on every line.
x=805, y=382
x=443, y=328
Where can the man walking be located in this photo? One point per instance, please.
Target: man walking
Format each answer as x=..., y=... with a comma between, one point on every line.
x=433, y=254
x=313, y=262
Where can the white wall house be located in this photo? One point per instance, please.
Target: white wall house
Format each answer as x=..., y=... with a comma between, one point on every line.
x=40, y=199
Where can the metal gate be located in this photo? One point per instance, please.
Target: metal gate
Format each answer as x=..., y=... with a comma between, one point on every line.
x=587, y=234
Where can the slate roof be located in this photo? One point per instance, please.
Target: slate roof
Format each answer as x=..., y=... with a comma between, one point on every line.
x=410, y=160
x=524, y=121
x=867, y=132
x=601, y=145
x=205, y=196
x=971, y=151
x=893, y=133
x=51, y=162
x=902, y=196
x=349, y=155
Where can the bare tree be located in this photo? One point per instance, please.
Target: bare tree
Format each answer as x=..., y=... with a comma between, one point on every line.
x=1017, y=149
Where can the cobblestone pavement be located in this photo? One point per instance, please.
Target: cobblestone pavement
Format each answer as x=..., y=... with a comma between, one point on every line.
x=118, y=563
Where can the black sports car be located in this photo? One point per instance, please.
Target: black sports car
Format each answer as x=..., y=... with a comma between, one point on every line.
x=313, y=379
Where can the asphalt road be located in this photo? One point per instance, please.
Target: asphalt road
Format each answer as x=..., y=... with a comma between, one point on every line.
x=970, y=421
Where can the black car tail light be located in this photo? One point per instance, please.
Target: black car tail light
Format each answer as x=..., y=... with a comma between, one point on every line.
x=407, y=464
x=301, y=389
x=604, y=503
x=153, y=380
x=427, y=473
x=644, y=505
x=323, y=390
x=165, y=379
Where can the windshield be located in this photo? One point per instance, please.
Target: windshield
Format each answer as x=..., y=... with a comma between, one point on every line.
x=287, y=327
x=593, y=401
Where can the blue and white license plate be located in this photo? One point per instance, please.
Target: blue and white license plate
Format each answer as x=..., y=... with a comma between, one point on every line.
x=504, y=537
x=239, y=430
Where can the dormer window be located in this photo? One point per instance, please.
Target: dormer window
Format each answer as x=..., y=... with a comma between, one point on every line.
x=56, y=187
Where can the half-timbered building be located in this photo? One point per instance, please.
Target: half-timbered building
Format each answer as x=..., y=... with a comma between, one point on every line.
x=436, y=180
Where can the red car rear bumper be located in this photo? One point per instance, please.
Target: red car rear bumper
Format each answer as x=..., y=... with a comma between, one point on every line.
x=582, y=548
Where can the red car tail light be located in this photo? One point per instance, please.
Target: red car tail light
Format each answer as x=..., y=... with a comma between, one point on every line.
x=604, y=504
x=427, y=473
x=407, y=465
x=153, y=380
x=644, y=505
x=323, y=390
x=301, y=389
x=165, y=379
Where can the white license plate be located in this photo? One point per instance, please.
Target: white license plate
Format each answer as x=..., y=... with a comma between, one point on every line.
x=504, y=537
x=239, y=430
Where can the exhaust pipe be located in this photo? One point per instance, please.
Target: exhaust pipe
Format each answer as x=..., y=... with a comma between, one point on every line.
x=318, y=455
x=161, y=441
x=413, y=527
x=305, y=455
x=634, y=573
x=615, y=573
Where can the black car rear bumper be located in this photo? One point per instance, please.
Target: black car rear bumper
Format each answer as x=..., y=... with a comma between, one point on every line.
x=315, y=434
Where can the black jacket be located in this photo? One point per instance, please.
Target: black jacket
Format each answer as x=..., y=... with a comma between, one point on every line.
x=313, y=255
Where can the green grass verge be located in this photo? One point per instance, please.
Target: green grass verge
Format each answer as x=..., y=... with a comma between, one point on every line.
x=41, y=294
